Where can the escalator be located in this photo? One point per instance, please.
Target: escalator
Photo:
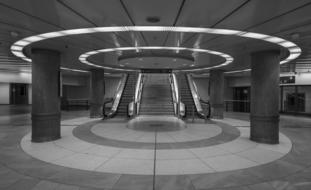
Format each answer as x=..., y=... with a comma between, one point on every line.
x=190, y=97
x=185, y=94
x=124, y=95
x=156, y=98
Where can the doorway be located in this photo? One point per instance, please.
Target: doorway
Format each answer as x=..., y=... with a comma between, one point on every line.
x=18, y=94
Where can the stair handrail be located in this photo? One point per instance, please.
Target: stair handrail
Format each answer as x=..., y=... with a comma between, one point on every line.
x=175, y=93
x=118, y=95
x=195, y=95
x=138, y=92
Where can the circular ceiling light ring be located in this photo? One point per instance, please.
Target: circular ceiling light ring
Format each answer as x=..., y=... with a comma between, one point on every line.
x=293, y=49
x=228, y=59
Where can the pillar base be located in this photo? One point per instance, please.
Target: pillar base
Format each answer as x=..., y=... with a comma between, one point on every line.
x=96, y=110
x=217, y=111
x=265, y=129
x=45, y=127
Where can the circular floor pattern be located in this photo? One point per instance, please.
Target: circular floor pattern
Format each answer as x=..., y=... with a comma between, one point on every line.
x=156, y=123
x=72, y=152
x=174, y=132
x=112, y=133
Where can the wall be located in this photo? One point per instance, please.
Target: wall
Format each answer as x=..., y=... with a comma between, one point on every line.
x=9, y=77
x=238, y=81
x=76, y=92
x=4, y=93
x=30, y=93
x=301, y=79
x=307, y=91
x=75, y=80
x=80, y=88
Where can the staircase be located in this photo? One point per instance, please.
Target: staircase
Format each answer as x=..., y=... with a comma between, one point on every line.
x=128, y=95
x=185, y=95
x=156, y=98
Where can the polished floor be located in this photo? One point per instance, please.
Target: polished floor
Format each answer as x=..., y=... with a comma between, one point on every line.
x=112, y=154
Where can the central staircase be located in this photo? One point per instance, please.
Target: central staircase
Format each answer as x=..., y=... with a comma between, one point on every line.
x=157, y=95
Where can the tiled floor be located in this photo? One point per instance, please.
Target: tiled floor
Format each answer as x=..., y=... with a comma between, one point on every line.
x=216, y=155
x=73, y=152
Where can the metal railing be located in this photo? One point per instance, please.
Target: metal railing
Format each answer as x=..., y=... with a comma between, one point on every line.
x=179, y=107
x=117, y=97
x=133, y=108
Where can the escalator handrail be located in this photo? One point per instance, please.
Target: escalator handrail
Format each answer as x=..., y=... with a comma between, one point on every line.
x=174, y=88
x=138, y=91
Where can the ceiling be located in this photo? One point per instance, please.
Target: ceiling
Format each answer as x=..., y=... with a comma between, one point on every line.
x=290, y=20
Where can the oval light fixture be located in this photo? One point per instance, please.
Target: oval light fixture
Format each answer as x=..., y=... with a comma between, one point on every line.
x=293, y=49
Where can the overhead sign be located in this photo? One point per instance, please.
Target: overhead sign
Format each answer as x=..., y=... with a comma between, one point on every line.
x=287, y=80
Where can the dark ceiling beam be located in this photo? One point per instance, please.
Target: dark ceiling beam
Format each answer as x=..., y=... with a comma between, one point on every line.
x=35, y=17
x=132, y=20
x=266, y=21
x=88, y=20
x=220, y=20
x=175, y=20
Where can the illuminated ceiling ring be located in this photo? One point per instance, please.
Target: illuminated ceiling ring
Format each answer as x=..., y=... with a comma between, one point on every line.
x=228, y=59
x=293, y=49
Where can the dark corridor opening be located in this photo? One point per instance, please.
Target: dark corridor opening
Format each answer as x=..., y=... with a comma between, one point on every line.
x=18, y=94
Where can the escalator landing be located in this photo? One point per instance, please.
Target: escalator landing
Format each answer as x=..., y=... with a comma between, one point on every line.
x=156, y=123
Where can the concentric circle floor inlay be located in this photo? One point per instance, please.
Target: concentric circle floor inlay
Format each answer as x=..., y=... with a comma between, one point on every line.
x=238, y=153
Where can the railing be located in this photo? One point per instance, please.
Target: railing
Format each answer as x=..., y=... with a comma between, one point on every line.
x=179, y=107
x=133, y=108
x=198, y=102
x=118, y=95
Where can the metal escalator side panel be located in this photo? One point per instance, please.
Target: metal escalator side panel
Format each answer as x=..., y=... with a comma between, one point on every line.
x=195, y=96
x=127, y=95
x=137, y=96
x=118, y=95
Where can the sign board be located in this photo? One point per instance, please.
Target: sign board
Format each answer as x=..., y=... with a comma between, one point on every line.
x=287, y=80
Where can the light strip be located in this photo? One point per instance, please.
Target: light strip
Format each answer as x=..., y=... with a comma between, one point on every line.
x=17, y=47
x=228, y=59
x=74, y=70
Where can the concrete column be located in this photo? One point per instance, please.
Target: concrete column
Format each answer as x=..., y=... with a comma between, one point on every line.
x=265, y=96
x=217, y=93
x=45, y=95
x=97, y=93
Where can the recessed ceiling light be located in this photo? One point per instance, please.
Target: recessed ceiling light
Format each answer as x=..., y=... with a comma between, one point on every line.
x=153, y=19
x=14, y=34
